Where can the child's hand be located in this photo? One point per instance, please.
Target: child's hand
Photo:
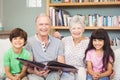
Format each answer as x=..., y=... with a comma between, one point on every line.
x=15, y=78
x=96, y=75
x=112, y=74
x=18, y=79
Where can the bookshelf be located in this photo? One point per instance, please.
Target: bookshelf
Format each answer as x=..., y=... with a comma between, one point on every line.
x=82, y=4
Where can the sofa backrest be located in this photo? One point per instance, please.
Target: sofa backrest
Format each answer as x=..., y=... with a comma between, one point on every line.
x=117, y=64
x=4, y=46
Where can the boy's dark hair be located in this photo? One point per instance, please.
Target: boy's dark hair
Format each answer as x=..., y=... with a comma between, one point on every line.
x=18, y=32
x=108, y=52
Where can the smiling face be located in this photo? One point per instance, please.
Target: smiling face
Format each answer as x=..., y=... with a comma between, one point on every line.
x=76, y=31
x=98, y=44
x=18, y=42
x=76, y=26
x=43, y=25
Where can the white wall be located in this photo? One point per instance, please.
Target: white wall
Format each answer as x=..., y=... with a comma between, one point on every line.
x=17, y=14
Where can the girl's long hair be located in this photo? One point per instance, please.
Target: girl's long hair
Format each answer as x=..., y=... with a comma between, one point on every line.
x=108, y=52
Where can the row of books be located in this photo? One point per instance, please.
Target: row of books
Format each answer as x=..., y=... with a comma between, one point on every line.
x=100, y=20
x=61, y=17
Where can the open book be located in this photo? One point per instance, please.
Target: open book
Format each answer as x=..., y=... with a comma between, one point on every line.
x=52, y=65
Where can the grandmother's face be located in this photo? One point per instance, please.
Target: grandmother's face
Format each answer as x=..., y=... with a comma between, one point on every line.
x=77, y=31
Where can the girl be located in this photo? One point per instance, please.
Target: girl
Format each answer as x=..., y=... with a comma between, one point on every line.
x=99, y=56
x=13, y=68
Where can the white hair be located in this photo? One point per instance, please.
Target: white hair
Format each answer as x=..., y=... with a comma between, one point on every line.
x=76, y=19
x=41, y=14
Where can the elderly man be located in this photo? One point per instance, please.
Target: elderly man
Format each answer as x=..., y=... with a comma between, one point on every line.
x=44, y=48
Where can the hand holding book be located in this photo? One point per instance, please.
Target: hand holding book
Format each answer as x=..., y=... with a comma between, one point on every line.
x=52, y=65
x=41, y=72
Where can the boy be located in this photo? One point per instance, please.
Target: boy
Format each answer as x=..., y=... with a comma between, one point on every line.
x=13, y=68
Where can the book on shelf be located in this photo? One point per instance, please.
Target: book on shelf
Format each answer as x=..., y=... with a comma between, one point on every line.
x=67, y=1
x=51, y=65
x=115, y=21
x=68, y=20
x=119, y=21
x=58, y=16
x=100, y=21
x=52, y=15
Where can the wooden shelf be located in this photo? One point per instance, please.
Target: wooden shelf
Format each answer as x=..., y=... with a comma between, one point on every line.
x=85, y=4
x=87, y=28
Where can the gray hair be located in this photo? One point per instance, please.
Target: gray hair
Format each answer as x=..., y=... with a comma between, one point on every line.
x=41, y=14
x=76, y=19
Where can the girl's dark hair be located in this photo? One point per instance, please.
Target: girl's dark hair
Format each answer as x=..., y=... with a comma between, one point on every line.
x=108, y=52
x=18, y=32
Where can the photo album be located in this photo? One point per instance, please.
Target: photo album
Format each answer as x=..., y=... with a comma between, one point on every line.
x=51, y=65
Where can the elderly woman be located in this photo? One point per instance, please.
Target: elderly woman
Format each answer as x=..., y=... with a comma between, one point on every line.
x=75, y=46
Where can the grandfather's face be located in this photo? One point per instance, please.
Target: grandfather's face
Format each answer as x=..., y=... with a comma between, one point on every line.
x=43, y=25
x=77, y=31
